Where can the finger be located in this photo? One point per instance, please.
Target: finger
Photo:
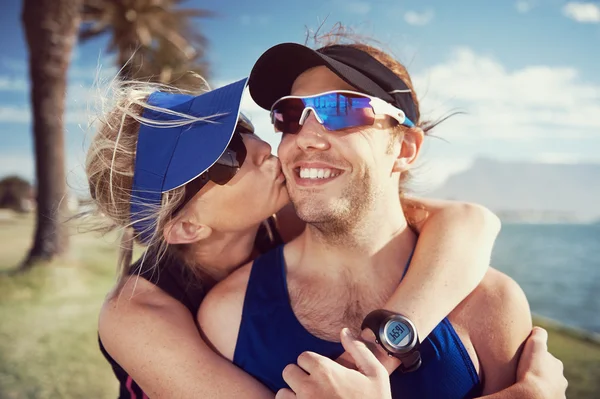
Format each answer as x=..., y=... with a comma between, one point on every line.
x=537, y=341
x=346, y=360
x=535, y=353
x=314, y=363
x=285, y=394
x=365, y=360
x=294, y=376
x=541, y=337
x=368, y=335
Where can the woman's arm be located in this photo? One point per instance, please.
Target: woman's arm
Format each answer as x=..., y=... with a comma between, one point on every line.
x=539, y=374
x=155, y=339
x=451, y=257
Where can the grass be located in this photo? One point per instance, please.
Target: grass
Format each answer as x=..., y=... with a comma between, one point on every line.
x=48, y=342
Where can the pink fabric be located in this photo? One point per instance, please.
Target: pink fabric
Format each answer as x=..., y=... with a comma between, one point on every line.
x=128, y=385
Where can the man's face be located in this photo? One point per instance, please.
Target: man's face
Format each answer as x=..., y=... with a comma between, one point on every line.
x=333, y=177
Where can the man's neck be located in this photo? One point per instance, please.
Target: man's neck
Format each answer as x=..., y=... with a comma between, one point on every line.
x=333, y=285
x=379, y=242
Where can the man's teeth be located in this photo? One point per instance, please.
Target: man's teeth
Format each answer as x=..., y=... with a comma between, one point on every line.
x=312, y=173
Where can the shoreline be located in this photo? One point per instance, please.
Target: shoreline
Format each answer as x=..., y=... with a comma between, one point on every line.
x=572, y=331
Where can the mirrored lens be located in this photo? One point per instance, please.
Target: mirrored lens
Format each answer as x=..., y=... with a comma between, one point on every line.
x=337, y=111
x=286, y=115
x=341, y=111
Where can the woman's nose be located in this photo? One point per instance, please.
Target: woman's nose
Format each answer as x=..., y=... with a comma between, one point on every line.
x=259, y=150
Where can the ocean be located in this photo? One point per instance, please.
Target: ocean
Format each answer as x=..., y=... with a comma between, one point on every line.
x=558, y=267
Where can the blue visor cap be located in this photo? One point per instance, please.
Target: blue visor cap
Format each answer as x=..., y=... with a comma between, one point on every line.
x=170, y=156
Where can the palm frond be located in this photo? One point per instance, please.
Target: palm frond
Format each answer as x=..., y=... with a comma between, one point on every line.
x=155, y=38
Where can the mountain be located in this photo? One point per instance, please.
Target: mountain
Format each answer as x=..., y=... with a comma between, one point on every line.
x=520, y=191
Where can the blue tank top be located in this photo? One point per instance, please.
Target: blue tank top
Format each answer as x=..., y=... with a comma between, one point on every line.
x=271, y=337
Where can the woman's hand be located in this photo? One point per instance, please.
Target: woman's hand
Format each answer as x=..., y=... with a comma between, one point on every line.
x=539, y=370
x=539, y=374
x=317, y=376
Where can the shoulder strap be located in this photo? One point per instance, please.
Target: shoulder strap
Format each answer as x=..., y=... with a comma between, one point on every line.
x=266, y=284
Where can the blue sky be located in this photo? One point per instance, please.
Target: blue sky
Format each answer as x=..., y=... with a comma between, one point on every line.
x=525, y=72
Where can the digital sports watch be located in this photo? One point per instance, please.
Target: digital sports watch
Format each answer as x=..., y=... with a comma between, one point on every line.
x=397, y=335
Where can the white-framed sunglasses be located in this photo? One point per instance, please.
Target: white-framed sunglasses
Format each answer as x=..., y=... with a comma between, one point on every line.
x=335, y=110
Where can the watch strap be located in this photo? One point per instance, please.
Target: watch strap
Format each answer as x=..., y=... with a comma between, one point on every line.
x=373, y=321
x=410, y=362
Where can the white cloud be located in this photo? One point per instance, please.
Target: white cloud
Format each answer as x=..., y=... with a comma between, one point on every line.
x=351, y=6
x=82, y=102
x=419, y=18
x=253, y=20
x=14, y=64
x=98, y=73
x=582, y=12
x=532, y=102
x=23, y=165
x=11, y=84
x=512, y=109
x=12, y=114
x=560, y=158
x=19, y=165
x=430, y=173
x=73, y=115
x=524, y=6
x=357, y=7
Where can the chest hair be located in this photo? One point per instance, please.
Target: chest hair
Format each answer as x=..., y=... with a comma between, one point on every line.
x=324, y=308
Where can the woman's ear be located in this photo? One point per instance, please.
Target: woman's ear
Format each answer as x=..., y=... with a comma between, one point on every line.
x=185, y=231
x=412, y=140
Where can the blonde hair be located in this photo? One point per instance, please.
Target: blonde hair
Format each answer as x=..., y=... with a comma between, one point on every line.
x=110, y=164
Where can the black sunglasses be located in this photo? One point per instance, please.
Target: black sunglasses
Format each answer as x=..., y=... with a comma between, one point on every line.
x=226, y=167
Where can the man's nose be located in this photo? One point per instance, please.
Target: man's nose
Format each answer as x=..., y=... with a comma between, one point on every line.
x=312, y=135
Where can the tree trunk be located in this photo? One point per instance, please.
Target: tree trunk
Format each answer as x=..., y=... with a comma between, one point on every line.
x=51, y=28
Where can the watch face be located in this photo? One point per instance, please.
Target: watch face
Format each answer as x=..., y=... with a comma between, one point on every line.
x=398, y=333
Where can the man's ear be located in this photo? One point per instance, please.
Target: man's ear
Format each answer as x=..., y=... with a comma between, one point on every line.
x=409, y=150
x=185, y=231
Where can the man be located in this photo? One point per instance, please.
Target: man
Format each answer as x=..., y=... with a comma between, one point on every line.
x=349, y=138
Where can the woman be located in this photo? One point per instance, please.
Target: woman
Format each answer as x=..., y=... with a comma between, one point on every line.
x=182, y=177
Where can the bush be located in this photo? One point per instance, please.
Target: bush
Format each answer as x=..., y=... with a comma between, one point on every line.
x=16, y=194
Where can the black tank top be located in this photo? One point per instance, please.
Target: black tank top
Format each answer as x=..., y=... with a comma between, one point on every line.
x=173, y=277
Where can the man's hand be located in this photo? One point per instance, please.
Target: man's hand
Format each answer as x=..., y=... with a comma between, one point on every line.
x=540, y=371
x=317, y=376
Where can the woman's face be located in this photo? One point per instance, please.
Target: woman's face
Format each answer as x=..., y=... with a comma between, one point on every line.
x=256, y=192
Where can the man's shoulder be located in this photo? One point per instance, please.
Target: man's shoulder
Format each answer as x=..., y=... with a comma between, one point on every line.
x=497, y=319
x=220, y=312
x=230, y=290
x=500, y=293
x=497, y=301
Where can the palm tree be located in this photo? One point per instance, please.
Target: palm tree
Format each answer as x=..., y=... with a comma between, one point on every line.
x=153, y=39
x=51, y=32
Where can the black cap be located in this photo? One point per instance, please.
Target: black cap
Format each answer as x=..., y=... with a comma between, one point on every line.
x=276, y=70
